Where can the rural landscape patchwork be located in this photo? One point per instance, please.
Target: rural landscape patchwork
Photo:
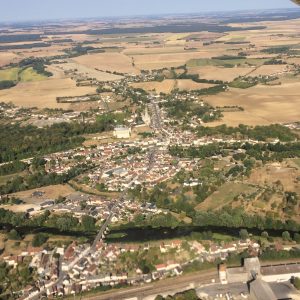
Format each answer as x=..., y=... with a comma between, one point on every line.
x=151, y=157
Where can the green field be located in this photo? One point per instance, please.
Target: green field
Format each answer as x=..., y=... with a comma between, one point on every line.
x=225, y=195
x=240, y=84
x=224, y=62
x=30, y=75
x=117, y=235
x=222, y=237
x=9, y=74
x=5, y=178
x=20, y=75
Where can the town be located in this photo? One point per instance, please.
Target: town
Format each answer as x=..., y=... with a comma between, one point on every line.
x=150, y=157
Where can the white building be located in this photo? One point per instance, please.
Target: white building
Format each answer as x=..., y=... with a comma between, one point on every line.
x=122, y=132
x=146, y=117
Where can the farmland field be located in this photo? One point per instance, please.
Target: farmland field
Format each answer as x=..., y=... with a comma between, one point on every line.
x=225, y=62
x=31, y=75
x=165, y=86
x=189, y=85
x=7, y=58
x=114, y=62
x=220, y=73
x=225, y=195
x=43, y=93
x=49, y=192
x=297, y=162
x=265, y=104
x=9, y=74
x=273, y=173
x=167, y=60
x=18, y=74
x=269, y=70
x=59, y=69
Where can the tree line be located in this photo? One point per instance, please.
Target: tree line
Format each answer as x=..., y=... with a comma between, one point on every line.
x=19, y=142
x=40, y=179
x=260, y=133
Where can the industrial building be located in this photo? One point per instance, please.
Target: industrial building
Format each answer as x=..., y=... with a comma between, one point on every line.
x=261, y=279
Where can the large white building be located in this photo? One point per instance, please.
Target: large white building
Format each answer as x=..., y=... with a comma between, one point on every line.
x=122, y=132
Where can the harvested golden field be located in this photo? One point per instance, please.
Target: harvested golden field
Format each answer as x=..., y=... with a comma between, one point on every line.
x=220, y=73
x=143, y=50
x=165, y=86
x=277, y=178
x=7, y=58
x=239, y=117
x=270, y=104
x=70, y=66
x=293, y=60
x=43, y=94
x=57, y=72
x=167, y=60
x=189, y=85
x=114, y=62
x=50, y=192
x=270, y=174
x=10, y=247
x=177, y=39
x=266, y=70
x=41, y=52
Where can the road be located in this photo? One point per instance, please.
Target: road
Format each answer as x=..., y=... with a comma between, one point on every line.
x=171, y=286
x=151, y=157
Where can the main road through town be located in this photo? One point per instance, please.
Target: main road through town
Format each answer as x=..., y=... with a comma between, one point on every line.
x=157, y=125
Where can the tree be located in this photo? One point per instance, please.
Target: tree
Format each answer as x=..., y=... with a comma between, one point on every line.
x=56, y=255
x=297, y=237
x=243, y=234
x=14, y=235
x=145, y=267
x=286, y=236
x=265, y=234
x=39, y=239
x=66, y=223
x=296, y=283
x=3, y=271
x=25, y=273
x=88, y=223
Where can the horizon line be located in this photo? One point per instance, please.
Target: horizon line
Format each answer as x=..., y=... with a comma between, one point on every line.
x=208, y=12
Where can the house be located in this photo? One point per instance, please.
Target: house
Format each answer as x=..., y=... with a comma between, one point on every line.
x=199, y=248
x=69, y=253
x=163, y=248
x=11, y=261
x=172, y=266
x=161, y=267
x=176, y=244
x=33, y=250
x=214, y=249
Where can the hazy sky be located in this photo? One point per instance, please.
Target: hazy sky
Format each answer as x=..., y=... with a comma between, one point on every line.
x=19, y=10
